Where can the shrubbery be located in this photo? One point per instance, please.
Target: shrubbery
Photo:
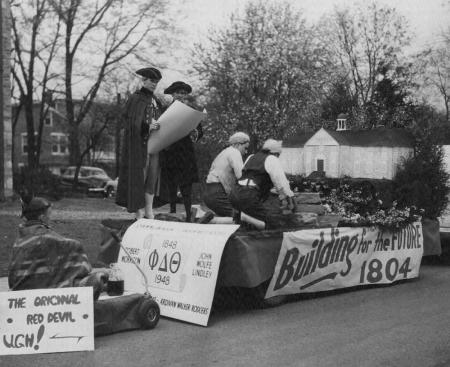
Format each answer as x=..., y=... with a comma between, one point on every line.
x=422, y=180
x=38, y=182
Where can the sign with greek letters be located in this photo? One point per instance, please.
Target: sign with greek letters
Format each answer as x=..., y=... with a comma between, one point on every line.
x=332, y=258
x=181, y=262
x=47, y=321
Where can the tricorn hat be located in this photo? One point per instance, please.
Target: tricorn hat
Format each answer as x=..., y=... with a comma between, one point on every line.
x=171, y=89
x=150, y=73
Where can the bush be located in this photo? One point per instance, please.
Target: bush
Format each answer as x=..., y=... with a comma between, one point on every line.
x=39, y=181
x=421, y=180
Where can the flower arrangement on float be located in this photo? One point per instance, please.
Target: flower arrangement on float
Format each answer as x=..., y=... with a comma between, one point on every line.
x=359, y=208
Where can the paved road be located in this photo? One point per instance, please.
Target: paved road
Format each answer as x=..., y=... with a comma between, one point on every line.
x=402, y=325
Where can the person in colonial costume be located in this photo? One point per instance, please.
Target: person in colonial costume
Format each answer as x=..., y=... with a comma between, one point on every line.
x=178, y=162
x=254, y=197
x=139, y=171
x=225, y=170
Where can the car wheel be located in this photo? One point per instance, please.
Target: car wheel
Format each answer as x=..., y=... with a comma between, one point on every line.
x=149, y=313
x=109, y=193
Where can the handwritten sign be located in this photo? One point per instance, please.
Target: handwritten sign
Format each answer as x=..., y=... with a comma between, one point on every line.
x=46, y=321
x=181, y=262
x=332, y=258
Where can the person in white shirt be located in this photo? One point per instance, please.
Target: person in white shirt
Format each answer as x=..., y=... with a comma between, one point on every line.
x=225, y=170
x=253, y=195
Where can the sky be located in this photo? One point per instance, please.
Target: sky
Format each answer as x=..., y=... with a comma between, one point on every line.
x=425, y=17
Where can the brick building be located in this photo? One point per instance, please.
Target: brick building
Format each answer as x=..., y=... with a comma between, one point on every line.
x=55, y=139
x=54, y=145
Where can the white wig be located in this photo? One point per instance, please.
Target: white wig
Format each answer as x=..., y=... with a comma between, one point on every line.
x=238, y=138
x=272, y=145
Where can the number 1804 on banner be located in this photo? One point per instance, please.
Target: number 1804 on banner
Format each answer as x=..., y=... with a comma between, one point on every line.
x=332, y=258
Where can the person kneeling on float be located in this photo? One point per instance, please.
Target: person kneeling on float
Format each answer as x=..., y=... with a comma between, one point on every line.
x=225, y=170
x=42, y=258
x=253, y=195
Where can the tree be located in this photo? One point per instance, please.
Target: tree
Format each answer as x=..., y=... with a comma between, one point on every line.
x=392, y=105
x=263, y=74
x=422, y=180
x=363, y=42
x=104, y=33
x=337, y=99
x=97, y=132
x=434, y=66
x=34, y=55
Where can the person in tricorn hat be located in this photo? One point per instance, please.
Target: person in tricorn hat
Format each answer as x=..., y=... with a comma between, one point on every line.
x=253, y=195
x=139, y=171
x=42, y=258
x=178, y=161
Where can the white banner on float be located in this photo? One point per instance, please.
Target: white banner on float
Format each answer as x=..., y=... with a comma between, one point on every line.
x=332, y=258
x=47, y=321
x=175, y=123
x=181, y=262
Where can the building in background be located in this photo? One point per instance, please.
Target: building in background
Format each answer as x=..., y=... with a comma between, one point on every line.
x=54, y=145
x=337, y=153
x=6, y=181
x=55, y=140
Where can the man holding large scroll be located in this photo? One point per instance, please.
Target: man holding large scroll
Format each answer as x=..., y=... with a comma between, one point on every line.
x=139, y=171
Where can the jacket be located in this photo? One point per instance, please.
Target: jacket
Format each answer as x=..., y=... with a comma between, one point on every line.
x=42, y=258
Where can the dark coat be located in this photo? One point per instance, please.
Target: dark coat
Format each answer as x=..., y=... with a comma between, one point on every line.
x=178, y=162
x=130, y=189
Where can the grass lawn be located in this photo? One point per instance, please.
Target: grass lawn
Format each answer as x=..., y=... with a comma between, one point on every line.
x=77, y=218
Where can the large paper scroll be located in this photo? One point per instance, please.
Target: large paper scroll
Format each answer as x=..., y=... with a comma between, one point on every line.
x=175, y=123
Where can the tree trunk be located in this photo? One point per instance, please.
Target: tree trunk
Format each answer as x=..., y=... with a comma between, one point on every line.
x=29, y=118
x=117, y=139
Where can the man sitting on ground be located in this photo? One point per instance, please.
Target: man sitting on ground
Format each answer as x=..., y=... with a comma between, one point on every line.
x=42, y=258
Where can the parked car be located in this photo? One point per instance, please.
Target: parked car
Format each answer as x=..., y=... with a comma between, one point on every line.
x=93, y=180
x=111, y=187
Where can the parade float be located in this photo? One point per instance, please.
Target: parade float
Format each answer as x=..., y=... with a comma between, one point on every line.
x=352, y=235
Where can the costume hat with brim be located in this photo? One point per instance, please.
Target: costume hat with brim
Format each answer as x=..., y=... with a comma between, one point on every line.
x=174, y=87
x=150, y=73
